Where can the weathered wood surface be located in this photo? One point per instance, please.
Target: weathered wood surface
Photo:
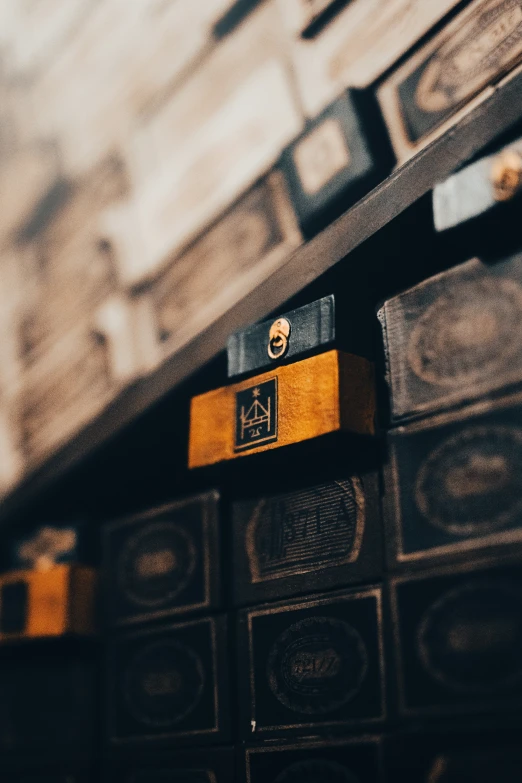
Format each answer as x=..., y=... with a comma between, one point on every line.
x=353, y=50
x=331, y=392
x=84, y=371
x=451, y=339
x=497, y=113
x=451, y=73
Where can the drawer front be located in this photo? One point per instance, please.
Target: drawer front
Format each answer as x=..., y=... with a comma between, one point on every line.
x=340, y=156
x=422, y=98
x=170, y=684
x=459, y=640
x=312, y=665
x=164, y=562
x=454, y=483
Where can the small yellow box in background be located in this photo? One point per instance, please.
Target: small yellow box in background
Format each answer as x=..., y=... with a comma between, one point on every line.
x=55, y=602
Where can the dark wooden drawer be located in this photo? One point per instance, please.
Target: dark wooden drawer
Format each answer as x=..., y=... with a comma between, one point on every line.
x=170, y=683
x=327, y=535
x=163, y=562
x=459, y=639
x=314, y=665
x=452, y=339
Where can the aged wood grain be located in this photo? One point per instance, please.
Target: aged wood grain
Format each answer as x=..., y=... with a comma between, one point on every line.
x=327, y=393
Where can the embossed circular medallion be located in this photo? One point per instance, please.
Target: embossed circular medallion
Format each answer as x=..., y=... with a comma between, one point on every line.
x=156, y=564
x=470, y=484
x=467, y=334
x=316, y=771
x=163, y=683
x=470, y=639
x=317, y=665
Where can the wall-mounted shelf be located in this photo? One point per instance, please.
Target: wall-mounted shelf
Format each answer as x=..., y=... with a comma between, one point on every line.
x=401, y=189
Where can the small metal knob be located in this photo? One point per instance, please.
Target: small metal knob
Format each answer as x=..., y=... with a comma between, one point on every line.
x=506, y=175
x=279, y=338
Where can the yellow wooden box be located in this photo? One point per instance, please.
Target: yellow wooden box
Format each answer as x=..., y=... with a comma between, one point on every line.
x=330, y=392
x=55, y=602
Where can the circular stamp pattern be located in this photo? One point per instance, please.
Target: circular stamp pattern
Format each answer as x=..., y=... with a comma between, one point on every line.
x=163, y=683
x=317, y=665
x=316, y=771
x=467, y=333
x=470, y=484
x=470, y=639
x=156, y=564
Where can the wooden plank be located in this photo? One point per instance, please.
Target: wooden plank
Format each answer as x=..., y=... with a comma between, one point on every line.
x=330, y=530
x=342, y=641
x=331, y=392
x=353, y=50
x=451, y=73
x=35, y=32
x=24, y=180
x=77, y=378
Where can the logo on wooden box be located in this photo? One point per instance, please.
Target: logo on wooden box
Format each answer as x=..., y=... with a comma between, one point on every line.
x=163, y=562
x=460, y=640
x=456, y=482
x=256, y=415
x=317, y=663
x=170, y=682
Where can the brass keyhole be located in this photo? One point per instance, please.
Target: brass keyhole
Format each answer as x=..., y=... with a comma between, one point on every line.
x=506, y=175
x=279, y=338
